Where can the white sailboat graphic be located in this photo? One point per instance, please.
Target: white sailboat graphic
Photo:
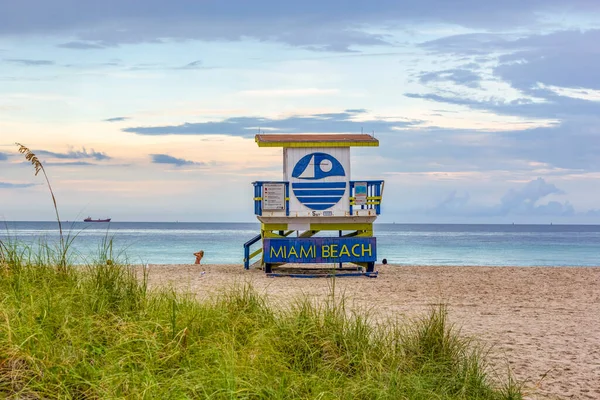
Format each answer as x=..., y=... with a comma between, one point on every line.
x=309, y=171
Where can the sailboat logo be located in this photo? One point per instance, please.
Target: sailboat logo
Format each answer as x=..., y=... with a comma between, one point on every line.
x=312, y=168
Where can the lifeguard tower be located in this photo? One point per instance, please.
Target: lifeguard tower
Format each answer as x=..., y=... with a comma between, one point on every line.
x=316, y=214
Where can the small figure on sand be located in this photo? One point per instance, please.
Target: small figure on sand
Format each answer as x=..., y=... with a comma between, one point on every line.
x=199, y=256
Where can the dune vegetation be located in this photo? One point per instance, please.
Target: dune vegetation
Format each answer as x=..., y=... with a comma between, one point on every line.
x=97, y=332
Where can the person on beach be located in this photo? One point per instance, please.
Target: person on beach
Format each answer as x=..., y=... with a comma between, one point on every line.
x=199, y=256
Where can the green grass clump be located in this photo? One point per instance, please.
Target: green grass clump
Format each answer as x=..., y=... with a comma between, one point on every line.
x=97, y=332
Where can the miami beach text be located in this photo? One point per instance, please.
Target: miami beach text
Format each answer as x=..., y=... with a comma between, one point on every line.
x=323, y=250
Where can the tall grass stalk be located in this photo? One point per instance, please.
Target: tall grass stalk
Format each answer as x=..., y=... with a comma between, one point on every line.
x=64, y=243
x=3, y=253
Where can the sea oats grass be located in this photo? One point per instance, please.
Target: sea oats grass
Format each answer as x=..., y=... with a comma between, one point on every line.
x=98, y=332
x=64, y=242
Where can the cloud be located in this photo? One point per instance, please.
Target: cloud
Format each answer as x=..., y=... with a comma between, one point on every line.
x=341, y=122
x=567, y=147
x=191, y=66
x=563, y=147
x=315, y=25
x=468, y=44
x=459, y=76
x=561, y=58
x=84, y=45
x=523, y=201
x=574, y=144
x=75, y=154
x=198, y=64
x=3, y=156
x=548, y=104
x=116, y=119
x=167, y=159
x=451, y=204
x=70, y=163
x=8, y=185
x=551, y=80
x=27, y=62
x=544, y=68
x=552, y=68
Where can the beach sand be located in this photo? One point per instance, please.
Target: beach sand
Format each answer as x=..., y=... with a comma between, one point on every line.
x=541, y=322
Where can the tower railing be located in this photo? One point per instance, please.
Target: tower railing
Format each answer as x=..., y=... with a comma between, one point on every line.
x=258, y=196
x=371, y=200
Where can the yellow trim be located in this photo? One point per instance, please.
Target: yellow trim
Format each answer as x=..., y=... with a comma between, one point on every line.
x=274, y=227
x=270, y=234
x=257, y=252
x=341, y=227
x=267, y=228
x=276, y=234
x=260, y=199
x=308, y=234
x=318, y=144
x=368, y=198
x=375, y=200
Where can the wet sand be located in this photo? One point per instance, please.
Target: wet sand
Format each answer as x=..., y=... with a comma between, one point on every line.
x=541, y=322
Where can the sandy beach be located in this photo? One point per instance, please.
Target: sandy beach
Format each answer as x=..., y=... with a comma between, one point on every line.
x=542, y=322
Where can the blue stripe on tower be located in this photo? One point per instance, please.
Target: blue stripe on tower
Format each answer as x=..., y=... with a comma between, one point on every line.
x=319, y=207
x=322, y=192
x=311, y=200
x=319, y=185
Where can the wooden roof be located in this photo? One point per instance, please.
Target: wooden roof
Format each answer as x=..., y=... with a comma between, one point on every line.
x=315, y=140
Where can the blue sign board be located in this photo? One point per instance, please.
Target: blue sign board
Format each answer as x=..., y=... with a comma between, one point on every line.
x=320, y=250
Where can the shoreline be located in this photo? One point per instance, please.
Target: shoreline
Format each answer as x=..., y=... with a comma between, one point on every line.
x=541, y=322
x=378, y=265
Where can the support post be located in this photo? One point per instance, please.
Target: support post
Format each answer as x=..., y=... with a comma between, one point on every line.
x=340, y=235
x=371, y=267
x=351, y=195
x=287, y=199
x=378, y=203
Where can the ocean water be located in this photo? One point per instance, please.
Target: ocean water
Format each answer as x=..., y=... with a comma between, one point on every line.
x=403, y=244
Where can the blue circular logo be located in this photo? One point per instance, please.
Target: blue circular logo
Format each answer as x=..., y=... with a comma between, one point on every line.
x=315, y=193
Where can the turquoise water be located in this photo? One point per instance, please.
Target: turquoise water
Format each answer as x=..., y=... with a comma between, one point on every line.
x=430, y=244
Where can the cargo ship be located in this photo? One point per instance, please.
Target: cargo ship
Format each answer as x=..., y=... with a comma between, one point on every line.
x=89, y=219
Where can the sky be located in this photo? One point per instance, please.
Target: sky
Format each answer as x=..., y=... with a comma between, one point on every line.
x=486, y=112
